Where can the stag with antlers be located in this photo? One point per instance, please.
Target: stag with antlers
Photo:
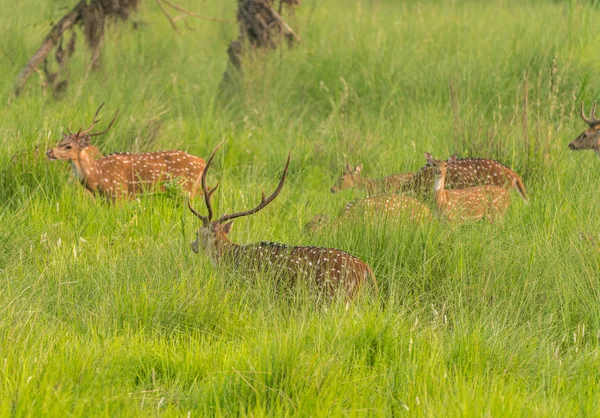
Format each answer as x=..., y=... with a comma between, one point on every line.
x=590, y=138
x=330, y=270
x=125, y=174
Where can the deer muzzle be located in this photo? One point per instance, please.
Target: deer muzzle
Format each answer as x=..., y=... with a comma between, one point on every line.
x=194, y=246
x=50, y=154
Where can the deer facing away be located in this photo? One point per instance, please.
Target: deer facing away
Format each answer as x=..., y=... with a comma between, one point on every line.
x=590, y=138
x=472, y=203
x=463, y=173
x=125, y=174
x=375, y=207
x=352, y=177
x=332, y=271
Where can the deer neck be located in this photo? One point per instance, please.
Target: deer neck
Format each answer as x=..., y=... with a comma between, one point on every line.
x=369, y=184
x=86, y=168
x=219, y=248
x=438, y=189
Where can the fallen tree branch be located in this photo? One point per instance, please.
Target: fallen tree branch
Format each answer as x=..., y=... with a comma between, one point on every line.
x=52, y=39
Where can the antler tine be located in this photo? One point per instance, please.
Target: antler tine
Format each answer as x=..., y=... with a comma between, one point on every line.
x=69, y=129
x=208, y=193
x=585, y=119
x=593, y=113
x=94, y=122
x=265, y=201
x=109, y=125
x=195, y=212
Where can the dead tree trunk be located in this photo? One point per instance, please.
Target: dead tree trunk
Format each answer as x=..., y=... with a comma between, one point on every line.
x=261, y=28
x=92, y=16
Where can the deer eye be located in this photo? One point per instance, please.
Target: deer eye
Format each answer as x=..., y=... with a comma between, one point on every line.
x=68, y=147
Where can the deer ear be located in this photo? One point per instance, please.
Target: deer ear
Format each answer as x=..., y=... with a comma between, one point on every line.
x=429, y=158
x=453, y=158
x=84, y=141
x=358, y=168
x=348, y=168
x=227, y=227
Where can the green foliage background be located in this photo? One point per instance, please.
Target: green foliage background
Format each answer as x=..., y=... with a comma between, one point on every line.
x=105, y=311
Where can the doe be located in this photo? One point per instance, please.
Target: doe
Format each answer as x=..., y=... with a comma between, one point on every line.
x=125, y=174
x=472, y=203
x=351, y=177
x=380, y=206
x=333, y=271
x=463, y=173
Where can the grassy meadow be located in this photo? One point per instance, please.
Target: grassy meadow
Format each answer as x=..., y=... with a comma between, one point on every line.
x=106, y=311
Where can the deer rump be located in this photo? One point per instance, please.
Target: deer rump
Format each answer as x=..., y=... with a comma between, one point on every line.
x=463, y=173
x=330, y=271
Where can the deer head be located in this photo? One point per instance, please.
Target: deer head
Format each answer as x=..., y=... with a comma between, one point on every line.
x=350, y=178
x=73, y=143
x=589, y=139
x=432, y=161
x=214, y=231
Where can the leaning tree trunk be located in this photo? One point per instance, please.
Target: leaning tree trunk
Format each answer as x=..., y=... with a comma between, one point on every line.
x=92, y=16
x=261, y=28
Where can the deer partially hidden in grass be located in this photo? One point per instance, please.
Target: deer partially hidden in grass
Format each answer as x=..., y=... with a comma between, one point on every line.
x=472, y=203
x=395, y=206
x=125, y=174
x=332, y=271
x=352, y=177
x=589, y=139
x=463, y=173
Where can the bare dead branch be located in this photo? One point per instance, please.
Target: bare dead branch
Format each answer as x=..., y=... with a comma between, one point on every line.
x=52, y=39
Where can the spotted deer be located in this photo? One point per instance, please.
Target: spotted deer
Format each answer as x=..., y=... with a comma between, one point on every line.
x=472, y=203
x=463, y=173
x=351, y=177
x=373, y=208
x=332, y=271
x=125, y=174
x=590, y=138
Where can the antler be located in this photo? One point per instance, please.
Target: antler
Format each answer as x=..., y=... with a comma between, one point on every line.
x=592, y=119
x=109, y=125
x=207, y=192
x=265, y=201
x=95, y=121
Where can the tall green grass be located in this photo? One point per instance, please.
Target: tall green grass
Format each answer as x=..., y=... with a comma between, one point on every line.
x=105, y=310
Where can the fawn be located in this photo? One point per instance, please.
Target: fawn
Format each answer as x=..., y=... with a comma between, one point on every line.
x=331, y=270
x=463, y=173
x=125, y=174
x=589, y=139
x=471, y=203
x=351, y=177
x=395, y=205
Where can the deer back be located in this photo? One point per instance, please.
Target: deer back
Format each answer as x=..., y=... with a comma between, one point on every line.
x=330, y=270
x=474, y=203
x=463, y=173
x=134, y=173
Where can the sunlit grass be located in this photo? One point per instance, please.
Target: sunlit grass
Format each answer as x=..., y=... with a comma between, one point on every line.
x=106, y=311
